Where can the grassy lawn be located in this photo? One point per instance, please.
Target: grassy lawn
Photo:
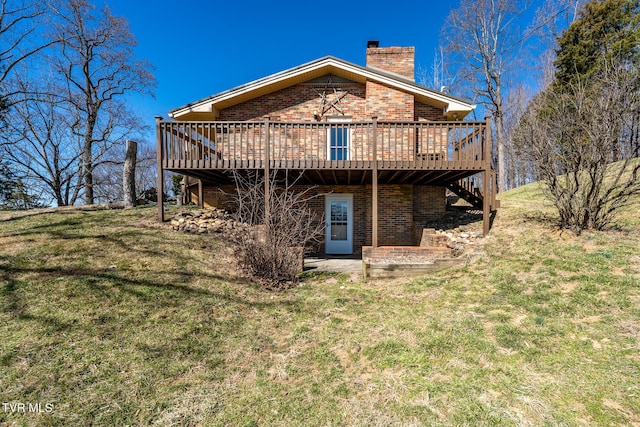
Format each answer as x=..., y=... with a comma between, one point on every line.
x=113, y=322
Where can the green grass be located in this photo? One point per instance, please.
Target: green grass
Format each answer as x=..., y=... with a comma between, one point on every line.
x=116, y=322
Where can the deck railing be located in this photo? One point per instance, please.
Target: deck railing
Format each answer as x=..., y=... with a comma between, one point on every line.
x=348, y=145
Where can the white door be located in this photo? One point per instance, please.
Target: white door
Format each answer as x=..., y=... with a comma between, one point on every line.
x=339, y=218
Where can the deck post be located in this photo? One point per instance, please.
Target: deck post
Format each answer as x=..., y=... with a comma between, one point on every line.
x=487, y=188
x=374, y=185
x=267, y=183
x=200, y=194
x=160, y=183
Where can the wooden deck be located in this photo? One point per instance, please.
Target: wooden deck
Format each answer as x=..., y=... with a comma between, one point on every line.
x=426, y=146
x=453, y=154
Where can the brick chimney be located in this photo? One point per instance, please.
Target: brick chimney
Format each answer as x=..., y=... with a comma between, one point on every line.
x=386, y=102
x=397, y=60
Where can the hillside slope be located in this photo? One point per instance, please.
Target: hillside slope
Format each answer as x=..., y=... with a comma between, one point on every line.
x=111, y=320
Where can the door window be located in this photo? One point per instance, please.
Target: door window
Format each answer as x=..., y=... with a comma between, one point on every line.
x=339, y=219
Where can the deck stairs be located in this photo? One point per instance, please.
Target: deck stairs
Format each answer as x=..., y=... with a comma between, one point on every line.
x=469, y=193
x=469, y=189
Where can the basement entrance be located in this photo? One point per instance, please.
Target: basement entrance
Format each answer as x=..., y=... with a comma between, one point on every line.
x=339, y=230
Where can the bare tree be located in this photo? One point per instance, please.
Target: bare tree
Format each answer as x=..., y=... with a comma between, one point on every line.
x=485, y=41
x=99, y=68
x=482, y=39
x=572, y=137
x=551, y=19
x=147, y=169
x=108, y=173
x=271, y=253
x=437, y=77
x=519, y=170
x=19, y=20
x=39, y=144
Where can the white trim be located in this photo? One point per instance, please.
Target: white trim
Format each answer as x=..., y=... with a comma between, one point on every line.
x=329, y=64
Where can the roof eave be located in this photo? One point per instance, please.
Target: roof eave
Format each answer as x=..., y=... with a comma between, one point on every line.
x=326, y=64
x=201, y=105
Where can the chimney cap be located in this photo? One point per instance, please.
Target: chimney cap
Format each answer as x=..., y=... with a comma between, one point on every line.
x=373, y=43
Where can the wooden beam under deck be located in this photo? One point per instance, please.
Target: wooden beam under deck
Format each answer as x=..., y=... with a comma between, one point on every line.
x=337, y=177
x=406, y=177
x=321, y=177
x=486, y=203
x=441, y=177
x=393, y=177
x=346, y=165
x=364, y=177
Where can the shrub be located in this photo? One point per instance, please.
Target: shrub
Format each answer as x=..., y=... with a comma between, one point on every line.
x=271, y=250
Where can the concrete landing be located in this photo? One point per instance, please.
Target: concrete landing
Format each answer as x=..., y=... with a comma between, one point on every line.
x=334, y=264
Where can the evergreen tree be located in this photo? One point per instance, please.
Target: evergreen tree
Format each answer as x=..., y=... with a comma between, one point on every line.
x=13, y=192
x=581, y=132
x=607, y=32
x=6, y=183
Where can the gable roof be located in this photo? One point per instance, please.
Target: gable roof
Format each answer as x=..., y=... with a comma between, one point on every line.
x=207, y=108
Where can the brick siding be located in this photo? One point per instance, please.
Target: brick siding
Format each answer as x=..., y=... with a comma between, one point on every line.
x=298, y=104
x=388, y=103
x=395, y=215
x=403, y=210
x=427, y=112
x=429, y=203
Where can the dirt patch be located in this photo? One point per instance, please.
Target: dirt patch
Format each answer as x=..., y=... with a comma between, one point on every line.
x=616, y=406
x=568, y=287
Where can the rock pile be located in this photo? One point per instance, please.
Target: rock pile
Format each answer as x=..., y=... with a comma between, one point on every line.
x=462, y=228
x=459, y=241
x=206, y=221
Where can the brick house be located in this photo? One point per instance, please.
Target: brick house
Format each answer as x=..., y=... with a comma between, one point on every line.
x=379, y=149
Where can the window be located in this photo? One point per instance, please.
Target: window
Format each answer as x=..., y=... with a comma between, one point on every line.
x=338, y=139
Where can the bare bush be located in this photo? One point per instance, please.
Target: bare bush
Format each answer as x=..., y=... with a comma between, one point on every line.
x=584, y=145
x=271, y=252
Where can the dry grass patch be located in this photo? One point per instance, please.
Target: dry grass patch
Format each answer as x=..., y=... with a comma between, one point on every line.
x=118, y=322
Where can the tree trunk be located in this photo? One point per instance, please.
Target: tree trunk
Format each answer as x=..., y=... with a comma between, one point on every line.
x=129, y=175
x=500, y=144
x=87, y=177
x=87, y=161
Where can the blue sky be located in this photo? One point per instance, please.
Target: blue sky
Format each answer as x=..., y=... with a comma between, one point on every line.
x=200, y=48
